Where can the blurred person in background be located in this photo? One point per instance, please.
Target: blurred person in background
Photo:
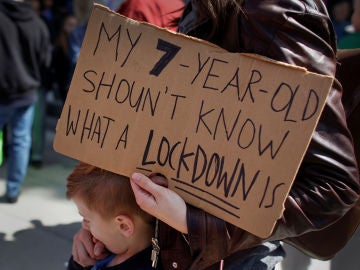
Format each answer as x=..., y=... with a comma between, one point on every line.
x=162, y=13
x=352, y=41
x=82, y=9
x=341, y=12
x=113, y=4
x=61, y=64
x=25, y=52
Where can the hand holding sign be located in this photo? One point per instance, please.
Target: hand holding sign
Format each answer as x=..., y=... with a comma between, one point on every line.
x=160, y=202
x=220, y=126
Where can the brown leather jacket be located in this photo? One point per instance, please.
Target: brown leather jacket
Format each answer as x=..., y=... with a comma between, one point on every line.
x=298, y=32
x=349, y=61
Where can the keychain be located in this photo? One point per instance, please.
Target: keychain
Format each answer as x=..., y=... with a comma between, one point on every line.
x=155, y=246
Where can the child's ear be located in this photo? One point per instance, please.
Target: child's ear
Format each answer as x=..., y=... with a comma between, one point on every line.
x=125, y=225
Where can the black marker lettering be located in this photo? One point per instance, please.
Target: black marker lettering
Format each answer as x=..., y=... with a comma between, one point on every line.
x=104, y=84
x=86, y=76
x=117, y=34
x=164, y=143
x=269, y=145
x=222, y=117
x=200, y=67
x=211, y=74
x=175, y=104
x=70, y=126
x=247, y=131
x=123, y=137
x=147, y=149
x=127, y=88
x=201, y=118
x=197, y=175
x=234, y=82
x=133, y=44
x=170, y=51
x=214, y=165
x=273, y=195
x=312, y=96
x=182, y=159
x=152, y=104
x=109, y=120
x=85, y=127
x=223, y=177
x=282, y=89
x=255, y=78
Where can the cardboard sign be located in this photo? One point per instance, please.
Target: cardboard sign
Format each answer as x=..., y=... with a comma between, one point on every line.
x=228, y=130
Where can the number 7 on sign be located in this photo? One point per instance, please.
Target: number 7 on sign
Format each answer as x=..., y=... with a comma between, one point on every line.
x=170, y=51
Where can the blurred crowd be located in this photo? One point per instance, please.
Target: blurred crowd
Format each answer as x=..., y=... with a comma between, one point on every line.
x=64, y=18
x=42, y=51
x=40, y=43
x=66, y=21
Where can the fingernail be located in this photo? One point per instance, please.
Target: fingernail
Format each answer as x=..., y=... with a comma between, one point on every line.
x=97, y=251
x=136, y=176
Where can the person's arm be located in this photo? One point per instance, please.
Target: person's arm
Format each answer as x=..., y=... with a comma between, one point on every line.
x=209, y=237
x=160, y=201
x=327, y=183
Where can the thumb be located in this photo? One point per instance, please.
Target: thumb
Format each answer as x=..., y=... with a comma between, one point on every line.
x=99, y=249
x=146, y=192
x=144, y=183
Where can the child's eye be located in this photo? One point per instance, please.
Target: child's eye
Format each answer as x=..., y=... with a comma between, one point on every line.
x=86, y=221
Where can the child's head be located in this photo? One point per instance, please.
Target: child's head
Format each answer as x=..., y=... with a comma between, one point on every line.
x=107, y=204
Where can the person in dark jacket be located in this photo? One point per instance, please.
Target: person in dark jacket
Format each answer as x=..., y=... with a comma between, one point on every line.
x=298, y=32
x=25, y=52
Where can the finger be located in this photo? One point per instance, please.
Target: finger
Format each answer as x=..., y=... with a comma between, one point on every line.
x=80, y=254
x=86, y=243
x=160, y=180
x=144, y=183
x=159, y=201
x=84, y=259
x=146, y=192
x=74, y=252
x=141, y=194
x=99, y=250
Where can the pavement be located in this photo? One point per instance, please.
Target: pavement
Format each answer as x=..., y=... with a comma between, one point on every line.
x=36, y=232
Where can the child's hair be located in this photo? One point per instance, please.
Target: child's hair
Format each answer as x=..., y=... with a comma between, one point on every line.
x=105, y=192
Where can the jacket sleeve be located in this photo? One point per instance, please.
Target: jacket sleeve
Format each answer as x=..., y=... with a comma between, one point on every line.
x=327, y=184
x=72, y=265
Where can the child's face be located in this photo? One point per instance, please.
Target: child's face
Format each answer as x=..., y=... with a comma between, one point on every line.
x=103, y=230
